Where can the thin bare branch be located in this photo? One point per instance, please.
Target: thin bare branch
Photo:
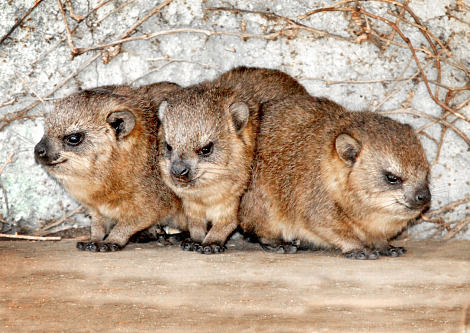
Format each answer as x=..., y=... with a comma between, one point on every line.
x=79, y=209
x=39, y=238
x=19, y=21
x=447, y=208
x=109, y=53
x=458, y=227
x=73, y=49
x=8, y=161
x=208, y=33
x=437, y=120
x=23, y=114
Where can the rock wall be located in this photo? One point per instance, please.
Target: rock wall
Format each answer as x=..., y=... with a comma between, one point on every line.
x=350, y=54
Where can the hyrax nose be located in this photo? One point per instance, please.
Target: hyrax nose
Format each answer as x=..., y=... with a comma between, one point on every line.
x=422, y=196
x=180, y=170
x=40, y=150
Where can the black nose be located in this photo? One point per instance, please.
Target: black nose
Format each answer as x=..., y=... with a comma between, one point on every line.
x=40, y=151
x=180, y=169
x=422, y=196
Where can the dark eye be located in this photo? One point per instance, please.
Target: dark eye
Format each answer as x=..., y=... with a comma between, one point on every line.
x=74, y=139
x=168, y=147
x=392, y=179
x=206, y=150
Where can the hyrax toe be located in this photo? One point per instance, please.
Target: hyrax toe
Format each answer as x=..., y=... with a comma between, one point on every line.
x=282, y=248
x=98, y=247
x=189, y=245
x=362, y=254
x=393, y=251
x=211, y=249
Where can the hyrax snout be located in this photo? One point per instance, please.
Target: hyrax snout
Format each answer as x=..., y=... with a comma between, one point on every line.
x=100, y=145
x=333, y=178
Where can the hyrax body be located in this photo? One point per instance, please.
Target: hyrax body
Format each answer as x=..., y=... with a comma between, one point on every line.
x=100, y=145
x=333, y=178
x=208, y=138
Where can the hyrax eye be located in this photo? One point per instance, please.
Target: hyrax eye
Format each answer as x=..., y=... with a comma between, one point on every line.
x=206, y=150
x=392, y=179
x=74, y=139
x=168, y=147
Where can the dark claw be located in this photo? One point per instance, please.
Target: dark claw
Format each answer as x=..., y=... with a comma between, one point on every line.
x=187, y=245
x=283, y=248
x=198, y=248
x=362, y=254
x=115, y=247
x=372, y=255
x=91, y=247
x=392, y=251
x=98, y=247
x=211, y=249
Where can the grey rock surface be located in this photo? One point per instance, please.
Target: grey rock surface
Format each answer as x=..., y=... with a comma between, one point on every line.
x=372, y=74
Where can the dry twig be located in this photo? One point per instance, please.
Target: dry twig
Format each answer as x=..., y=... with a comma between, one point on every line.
x=8, y=161
x=444, y=209
x=63, y=39
x=23, y=114
x=73, y=49
x=458, y=227
x=426, y=116
x=109, y=53
x=77, y=210
x=39, y=238
x=20, y=20
x=76, y=17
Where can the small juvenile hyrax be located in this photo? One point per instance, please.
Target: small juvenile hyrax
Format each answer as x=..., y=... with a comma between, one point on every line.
x=333, y=178
x=99, y=144
x=207, y=141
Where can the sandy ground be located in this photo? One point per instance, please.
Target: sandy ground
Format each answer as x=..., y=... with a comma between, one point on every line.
x=52, y=287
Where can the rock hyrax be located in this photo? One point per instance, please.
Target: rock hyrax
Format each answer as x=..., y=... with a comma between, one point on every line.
x=207, y=142
x=333, y=178
x=99, y=144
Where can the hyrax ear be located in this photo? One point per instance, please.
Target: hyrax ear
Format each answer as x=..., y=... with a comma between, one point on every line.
x=347, y=148
x=240, y=115
x=123, y=122
x=162, y=110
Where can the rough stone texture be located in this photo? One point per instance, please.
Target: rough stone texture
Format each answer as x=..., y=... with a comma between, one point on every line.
x=34, y=198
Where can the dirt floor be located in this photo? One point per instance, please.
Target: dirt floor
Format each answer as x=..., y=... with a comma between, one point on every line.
x=52, y=287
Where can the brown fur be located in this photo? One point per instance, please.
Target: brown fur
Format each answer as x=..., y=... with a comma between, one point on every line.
x=116, y=178
x=304, y=188
x=213, y=112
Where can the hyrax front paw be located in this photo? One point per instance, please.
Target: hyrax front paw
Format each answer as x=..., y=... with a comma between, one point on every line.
x=393, y=251
x=282, y=248
x=363, y=254
x=98, y=247
x=210, y=248
x=190, y=245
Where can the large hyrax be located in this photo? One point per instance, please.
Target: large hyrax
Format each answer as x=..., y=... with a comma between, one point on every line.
x=207, y=140
x=333, y=178
x=99, y=144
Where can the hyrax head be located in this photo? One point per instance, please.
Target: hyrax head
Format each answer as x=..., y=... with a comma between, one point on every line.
x=200, y=137
x=84, y=130
x=387, y=170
